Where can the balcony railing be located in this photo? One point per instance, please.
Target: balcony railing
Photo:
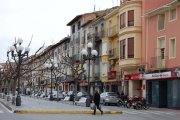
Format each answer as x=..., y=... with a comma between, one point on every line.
x=78, y=40
x=99, y=35
x=76, y=57
x=113, y=53
x=112, y=31
x=158, y=62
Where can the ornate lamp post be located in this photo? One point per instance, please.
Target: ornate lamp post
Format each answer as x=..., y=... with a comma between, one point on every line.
x=51, y=66
x=89, y=55
x=17, y=52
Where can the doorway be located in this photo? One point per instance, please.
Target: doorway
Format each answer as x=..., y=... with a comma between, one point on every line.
x=149, y=92
x=163, y=94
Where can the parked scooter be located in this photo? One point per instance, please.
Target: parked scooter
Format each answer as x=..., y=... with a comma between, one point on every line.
x=142, y=104
x=122, y=101
x=132, y=102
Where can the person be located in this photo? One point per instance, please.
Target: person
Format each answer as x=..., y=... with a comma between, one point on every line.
x=96, y=99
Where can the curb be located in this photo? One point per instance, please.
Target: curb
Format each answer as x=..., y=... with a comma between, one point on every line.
x=63, y=112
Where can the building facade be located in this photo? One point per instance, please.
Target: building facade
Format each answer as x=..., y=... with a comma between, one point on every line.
x=161, y=21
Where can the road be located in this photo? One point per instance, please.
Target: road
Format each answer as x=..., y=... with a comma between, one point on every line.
x=128, y=114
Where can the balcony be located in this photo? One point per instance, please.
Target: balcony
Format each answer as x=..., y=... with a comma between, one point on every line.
x=158, y=62
x=113, y=53
x=83, y=40
x=76, y=57
x=99, y=35
x=112, y=75
x=112, y=31
x=89, y=37
x=78, y=40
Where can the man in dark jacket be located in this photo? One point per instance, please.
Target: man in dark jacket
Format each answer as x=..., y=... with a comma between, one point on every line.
x=96, y=99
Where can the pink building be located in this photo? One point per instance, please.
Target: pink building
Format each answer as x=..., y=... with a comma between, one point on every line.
x=161, y=37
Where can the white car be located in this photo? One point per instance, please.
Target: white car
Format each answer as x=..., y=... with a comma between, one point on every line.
x=109, y=98
x=58, y=95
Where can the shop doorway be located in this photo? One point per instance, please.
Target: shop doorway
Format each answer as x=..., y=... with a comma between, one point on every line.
x=149, y=92
x=163, y=94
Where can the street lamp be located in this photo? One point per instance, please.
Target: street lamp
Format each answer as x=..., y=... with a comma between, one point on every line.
x=52, y=66
x=89, y=55
x=17, y=51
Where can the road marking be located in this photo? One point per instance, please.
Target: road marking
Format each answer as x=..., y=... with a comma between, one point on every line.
x=6, y=108
x=1, y=111
x=164, y=112
x=129, y=112
x=153, y=112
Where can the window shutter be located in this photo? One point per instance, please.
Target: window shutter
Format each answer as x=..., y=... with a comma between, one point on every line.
x=131, y=47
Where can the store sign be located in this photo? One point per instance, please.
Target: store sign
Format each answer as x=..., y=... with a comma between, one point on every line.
x=158, y=75
x=112, y=74
x=137, y=76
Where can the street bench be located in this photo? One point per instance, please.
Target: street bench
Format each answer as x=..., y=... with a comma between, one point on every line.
x=82, y=101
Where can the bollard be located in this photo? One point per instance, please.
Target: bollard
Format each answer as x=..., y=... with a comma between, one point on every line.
x=88, y=101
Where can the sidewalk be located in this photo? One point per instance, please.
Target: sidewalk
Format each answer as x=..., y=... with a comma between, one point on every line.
x=41, y=106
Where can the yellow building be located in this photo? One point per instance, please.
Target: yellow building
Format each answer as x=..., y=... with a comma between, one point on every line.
x=130, y=40
x=110, y=59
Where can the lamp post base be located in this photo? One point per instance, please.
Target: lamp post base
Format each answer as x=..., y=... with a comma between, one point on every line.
x=51, y=97
x=18, y=100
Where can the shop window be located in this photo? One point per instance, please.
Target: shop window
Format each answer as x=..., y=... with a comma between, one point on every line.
x=161, y=22
x=131, y=18
x=131, y=47
x=122, y=49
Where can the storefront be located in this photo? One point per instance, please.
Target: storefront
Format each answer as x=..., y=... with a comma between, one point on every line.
x=163, y=89
x=134, y=84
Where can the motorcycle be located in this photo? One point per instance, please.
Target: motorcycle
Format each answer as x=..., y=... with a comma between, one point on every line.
x=142, y=104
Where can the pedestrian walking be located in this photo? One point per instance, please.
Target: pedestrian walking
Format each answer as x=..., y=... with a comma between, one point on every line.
x=96, y=99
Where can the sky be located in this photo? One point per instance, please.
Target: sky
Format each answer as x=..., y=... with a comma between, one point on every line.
x=45, y=21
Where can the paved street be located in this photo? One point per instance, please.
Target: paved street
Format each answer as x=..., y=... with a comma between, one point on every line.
x=128, y=114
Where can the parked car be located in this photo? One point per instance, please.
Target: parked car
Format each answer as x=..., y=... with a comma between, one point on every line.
x=58, y=95
x=109, y=98
x=81, y=94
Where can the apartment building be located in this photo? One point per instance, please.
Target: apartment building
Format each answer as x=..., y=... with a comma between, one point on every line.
x=130, y=39
x=161, y=21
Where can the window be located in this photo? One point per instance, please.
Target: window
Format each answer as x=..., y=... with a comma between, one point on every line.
x=161, y=21
x=110, y=27
x=131, y=47
x=173, y=14
x=122, y=20
x=131, y=18
x=73, y=29
x=122, y=49
x=79, y=25
x=162, y=47
x=172, y=47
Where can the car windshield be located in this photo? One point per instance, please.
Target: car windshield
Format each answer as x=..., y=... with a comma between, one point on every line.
x=112, y=94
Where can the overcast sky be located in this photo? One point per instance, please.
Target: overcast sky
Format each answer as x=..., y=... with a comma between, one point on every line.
x=46, y=20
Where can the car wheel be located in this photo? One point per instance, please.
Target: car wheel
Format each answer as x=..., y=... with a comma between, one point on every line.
x=104, y=103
